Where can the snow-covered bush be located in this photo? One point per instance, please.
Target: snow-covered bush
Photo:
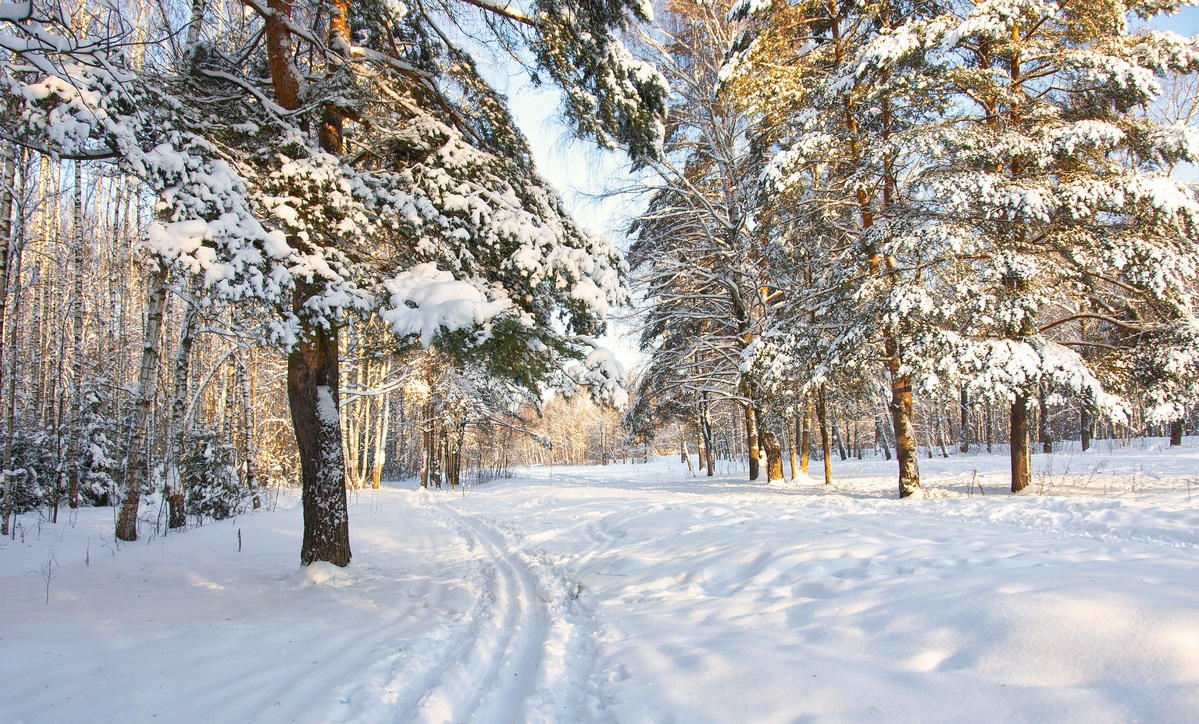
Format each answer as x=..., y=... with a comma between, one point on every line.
x=210, y=476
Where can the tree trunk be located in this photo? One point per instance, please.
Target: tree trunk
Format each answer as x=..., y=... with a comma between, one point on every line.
x=796, y=428
x=135, y=461
x=312, y=367
x=7, y=181
x=805, y=438
x=705, y=424
x=990, y=428
x=1043, y=430
x=1021, y=460
x=312, y=393
x=964, y=432
x=380, y=457
x=774, y=456
x=1176, y=433
x=825, y=447
x=75, y=446
x=751, y=440
x=942, y=433
x=247, y=428
x=175, y=491
x=880, y=436
x=840, y=442
x=1084, y=424
x=905, y=438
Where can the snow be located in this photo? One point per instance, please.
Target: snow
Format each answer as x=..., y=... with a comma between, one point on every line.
x=638, y=593
x=424, y=300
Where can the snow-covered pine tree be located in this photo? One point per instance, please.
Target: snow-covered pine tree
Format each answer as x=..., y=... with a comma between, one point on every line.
x=697, y=258
x=1051, y=209
x=838, y=213
x=374, y=171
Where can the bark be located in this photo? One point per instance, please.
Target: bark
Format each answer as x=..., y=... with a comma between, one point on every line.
x=1043, y=431
x=795, y=447
x=964, y=431
x=175, y=490
x=427, y=445
x=135, y=462
x=1021, y=460
x=6, y=252
x=1085, y=424
x=905, y=436
x=751, y=440
x=380, y=453
x=1176, y=433
x=825, y=447
x=312, y=393
x=805, y=438
x=990, y=428
x=249, y=448
x=837, y=439
x=75, y=446
x=941, y=433
x=774, y=456
x=313, y=375
x=705, y=424
x=880, y=436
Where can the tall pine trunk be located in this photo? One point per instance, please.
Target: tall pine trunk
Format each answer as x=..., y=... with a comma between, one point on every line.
x=774, y=456
x=795, y=447
x=312, y=366
x=1021, y=459
x=805, y=438
x=905, y=435
x=705, y=425
x=312, y=393
x=751, y=440
x=825, y=447
x=1176, y=433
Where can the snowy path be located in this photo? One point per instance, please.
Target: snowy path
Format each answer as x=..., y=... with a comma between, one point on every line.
x=632, y=594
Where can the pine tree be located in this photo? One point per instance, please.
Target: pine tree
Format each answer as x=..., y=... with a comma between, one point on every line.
x=1051, y=212
x=376, y=172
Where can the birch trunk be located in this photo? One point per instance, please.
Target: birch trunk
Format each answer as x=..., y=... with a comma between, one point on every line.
x=7, y=243
x=175, y=490
x=75, y=445
x=135, y=461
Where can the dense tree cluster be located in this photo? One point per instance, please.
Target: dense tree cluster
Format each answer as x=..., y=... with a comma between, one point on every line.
x=863, y=205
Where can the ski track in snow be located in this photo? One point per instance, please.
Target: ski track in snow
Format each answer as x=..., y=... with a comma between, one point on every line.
x=492, y=674
x=507, y=660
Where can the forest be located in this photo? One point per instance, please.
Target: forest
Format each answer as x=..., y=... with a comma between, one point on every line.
x=247, y=246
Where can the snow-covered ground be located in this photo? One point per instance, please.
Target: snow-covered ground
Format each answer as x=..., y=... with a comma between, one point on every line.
x=637, y=593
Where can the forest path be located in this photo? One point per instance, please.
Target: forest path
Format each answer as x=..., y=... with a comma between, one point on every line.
x=514, y=656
